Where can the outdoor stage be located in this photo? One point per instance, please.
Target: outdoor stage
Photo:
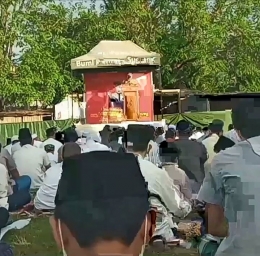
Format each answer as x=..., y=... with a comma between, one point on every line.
x=118, y=79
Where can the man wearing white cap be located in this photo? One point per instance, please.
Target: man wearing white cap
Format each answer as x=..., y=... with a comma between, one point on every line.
x=15, y=146
x=92, y=142
x=14, y=139
x=36, y=142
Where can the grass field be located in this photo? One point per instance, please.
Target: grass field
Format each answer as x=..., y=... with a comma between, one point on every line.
x=36, y=239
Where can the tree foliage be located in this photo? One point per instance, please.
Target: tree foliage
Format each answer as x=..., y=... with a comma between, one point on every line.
x=205, y=45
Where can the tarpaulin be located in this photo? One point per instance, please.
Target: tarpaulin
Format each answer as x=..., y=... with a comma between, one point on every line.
x=9, y=130
x=201, y=119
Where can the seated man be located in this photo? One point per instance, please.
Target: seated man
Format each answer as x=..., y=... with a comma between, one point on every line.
x=113, y=140
x=169, y=157
x=8, y=145
x=153, y=152
x=20, y=182
x=50, y=150
x=93, y=143
x=115, y=220
x=70, y=135
x=36, y=141
x=15, y=146
x=44, y=199
x=11, y=198
x=30, y=160
x=164, y=195
x=51, y=140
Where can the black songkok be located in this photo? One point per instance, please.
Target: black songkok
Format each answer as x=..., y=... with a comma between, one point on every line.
x=24, y=133
x=139, y=134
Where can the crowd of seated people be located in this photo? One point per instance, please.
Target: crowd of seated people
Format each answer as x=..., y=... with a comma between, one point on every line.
x=174, y=165
x=228, y=174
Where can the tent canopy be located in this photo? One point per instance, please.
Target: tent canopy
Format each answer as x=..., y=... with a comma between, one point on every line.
x=113, y=54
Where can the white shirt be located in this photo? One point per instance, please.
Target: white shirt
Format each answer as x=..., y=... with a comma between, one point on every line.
x=232, y=134
x=91, y=145
x=4, y=186
x=32, y=161
x=53, y=142
x=56, y=145
x=15, y=147
x=209, y=144
x=196, y=135
x=9, y=148
x=37, y=143
x=153, y=154
x=160, y=183
x=53, y=159
x=45, y=196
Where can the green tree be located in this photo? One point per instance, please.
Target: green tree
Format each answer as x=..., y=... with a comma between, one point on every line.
x=11, y=18
x=53, y=38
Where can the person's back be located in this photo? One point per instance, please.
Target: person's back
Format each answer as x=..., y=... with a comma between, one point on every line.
x=192, y=158
x=45, y=196
x=51, y=141
x=231, y=190
x=15, y=147
x=44, y=199
x=115, y=220
x=228, y=166
x=113, y=141
x=180, y=179
x=9, y=148
x=30, y=160
x=216, y=130
x=92, y=145
x=36, y=141
x=169, y=155
x=50, y=133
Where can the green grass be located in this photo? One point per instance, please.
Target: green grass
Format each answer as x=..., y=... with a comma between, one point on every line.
x=36, y=239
